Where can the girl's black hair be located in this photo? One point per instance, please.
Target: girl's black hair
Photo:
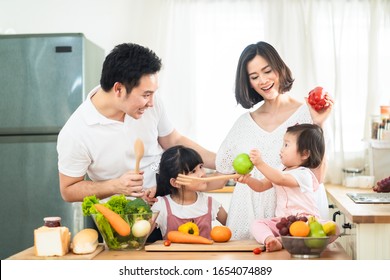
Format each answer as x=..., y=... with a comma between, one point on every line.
x=246, y=96
x=310, y=138
x=174, y=161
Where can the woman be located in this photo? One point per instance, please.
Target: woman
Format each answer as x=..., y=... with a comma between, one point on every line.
x=262, y=76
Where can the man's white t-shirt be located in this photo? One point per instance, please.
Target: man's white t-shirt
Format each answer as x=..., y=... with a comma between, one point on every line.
x=89, y=143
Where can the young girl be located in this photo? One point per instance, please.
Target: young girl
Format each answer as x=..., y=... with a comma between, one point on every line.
x=179, y=204
x=298, y=191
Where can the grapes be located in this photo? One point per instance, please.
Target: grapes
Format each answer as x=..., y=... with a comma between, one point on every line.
x=303, y=219
x=280, y=225
x=284, y=231
x=285, y=222
x=292, y=218
x=383, y=185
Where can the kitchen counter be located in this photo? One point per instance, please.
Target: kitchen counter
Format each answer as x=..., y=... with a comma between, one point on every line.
x=358, y=213
x=334, y=251
x=365, y=228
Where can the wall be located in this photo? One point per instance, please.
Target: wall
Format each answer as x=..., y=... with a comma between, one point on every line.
x=106, y=23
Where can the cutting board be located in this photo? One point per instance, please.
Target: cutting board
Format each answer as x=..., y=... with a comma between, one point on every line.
x=233, y=245
x=28, y=254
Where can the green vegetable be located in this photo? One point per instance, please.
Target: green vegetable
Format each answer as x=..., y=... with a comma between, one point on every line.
x=117, y=203
x=87, y=204
x=121, y=205
x=137, y=206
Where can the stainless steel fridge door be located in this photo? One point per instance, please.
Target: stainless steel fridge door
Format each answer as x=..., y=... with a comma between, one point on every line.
x=30, y=191
x=41, y=81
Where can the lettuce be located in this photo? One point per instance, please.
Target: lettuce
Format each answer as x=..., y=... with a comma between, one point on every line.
x=87, y=204
x=117, y=203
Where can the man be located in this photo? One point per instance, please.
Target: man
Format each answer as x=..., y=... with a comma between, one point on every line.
x=98, y=139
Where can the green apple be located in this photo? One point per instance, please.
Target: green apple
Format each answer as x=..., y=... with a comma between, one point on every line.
x=242, y=164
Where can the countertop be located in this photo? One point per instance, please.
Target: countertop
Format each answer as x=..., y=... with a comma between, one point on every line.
x=333, y=252
x=358, y=213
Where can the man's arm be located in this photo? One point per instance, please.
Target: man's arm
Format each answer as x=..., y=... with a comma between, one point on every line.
x=76, y=188
x=175, y=138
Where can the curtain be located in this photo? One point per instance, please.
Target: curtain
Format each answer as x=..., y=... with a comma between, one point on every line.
x=340, y=45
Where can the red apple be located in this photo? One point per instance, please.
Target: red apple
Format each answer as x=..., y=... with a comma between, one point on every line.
x=317, y=98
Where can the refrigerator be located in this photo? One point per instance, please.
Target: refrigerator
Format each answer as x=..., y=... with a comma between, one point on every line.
x=43, y=79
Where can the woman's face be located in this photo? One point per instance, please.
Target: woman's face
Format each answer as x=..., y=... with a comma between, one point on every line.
x=263, y=79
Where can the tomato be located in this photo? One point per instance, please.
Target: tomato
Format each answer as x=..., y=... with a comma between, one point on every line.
x=167, y=243
x=317, y=99
x=257, y=251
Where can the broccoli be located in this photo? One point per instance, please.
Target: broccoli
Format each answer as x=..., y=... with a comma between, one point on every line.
x=137, y=206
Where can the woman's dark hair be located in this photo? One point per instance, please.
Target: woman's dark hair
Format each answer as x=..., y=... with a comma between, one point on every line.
x=310, y=138
x=126, y=64
x=246, y=96
x=174, y=161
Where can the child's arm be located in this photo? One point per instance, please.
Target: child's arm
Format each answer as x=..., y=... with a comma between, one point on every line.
x=222, y=215
x=274, y=175
x=215, y=185
x=255, y=184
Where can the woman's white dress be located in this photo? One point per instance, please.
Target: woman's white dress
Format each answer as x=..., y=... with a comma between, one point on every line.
x=247, y=205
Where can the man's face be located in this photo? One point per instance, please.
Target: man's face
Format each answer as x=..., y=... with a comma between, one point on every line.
x=141, y=97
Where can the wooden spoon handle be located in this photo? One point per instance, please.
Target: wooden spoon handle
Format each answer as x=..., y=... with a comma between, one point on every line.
x=137, y=165
x=221, y=177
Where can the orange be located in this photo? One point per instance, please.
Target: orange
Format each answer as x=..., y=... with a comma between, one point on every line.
x=299, y=228
x=220, y=234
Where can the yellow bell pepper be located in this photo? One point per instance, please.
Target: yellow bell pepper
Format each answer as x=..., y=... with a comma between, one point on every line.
x=189, y=227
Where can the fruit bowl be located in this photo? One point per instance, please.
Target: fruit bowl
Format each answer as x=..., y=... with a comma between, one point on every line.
x=305, y=247
x=141, y=226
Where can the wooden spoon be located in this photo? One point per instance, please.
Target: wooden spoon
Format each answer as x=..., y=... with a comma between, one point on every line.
x=139, y=153
x=186, y=180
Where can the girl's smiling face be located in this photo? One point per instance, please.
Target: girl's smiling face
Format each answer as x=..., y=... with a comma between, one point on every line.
x=263, y=79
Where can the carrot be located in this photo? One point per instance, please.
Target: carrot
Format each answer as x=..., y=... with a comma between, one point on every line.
x=176, y=236
x=115, y=220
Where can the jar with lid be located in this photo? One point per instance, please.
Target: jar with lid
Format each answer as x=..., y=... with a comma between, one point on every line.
x=374, y=127
x=350, y=176
x=52, y=221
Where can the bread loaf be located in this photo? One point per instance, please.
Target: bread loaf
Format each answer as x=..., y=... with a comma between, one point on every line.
x=51, y=241
x=85, y=241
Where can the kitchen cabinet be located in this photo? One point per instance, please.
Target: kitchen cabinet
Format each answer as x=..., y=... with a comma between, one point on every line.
x=366, y=231
x=223, y=195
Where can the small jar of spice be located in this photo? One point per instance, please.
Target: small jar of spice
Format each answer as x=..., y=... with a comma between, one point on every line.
x=52, y=221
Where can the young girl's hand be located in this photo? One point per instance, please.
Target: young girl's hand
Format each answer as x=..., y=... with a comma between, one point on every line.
x=149, y=196
x=255, y=156
x=243, y=179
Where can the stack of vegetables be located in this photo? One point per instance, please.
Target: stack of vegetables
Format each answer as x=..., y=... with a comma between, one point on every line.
x=123, y=223
x=187, y=233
